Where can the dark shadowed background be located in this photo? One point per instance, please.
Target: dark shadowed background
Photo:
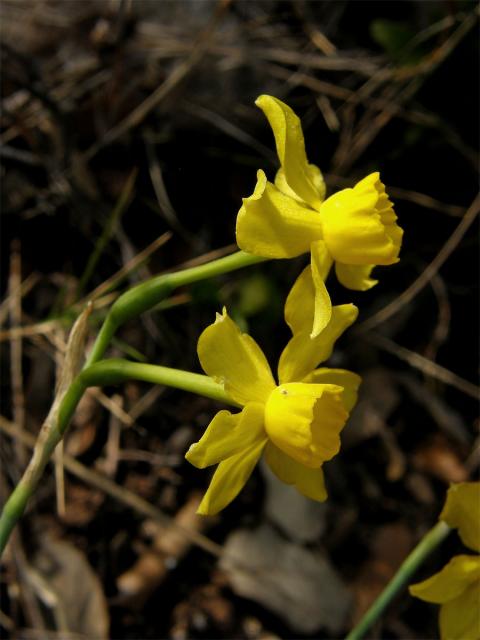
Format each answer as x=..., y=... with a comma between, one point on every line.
x=123, y=121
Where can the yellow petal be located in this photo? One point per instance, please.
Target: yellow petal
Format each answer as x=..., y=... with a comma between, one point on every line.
x=347, y=379
x=308, y=306
x=309, y=482
x=313, y=173
x=273, y=225
x=303, y=354
x=355, y=276
x=450, y=582
x=235, y=360
x=321, y=263
x=359, y=225
x=287, y=129
x=300, y=303
x=228, y=434
x=462, y=511
x=229, y=479
x=305, y=420
x=460, y=618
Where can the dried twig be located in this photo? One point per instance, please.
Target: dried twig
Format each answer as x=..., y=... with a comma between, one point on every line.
x=164, y=202
x=127, y=268
x=178, y=75
x=199, y=111
x=121, y=494
x=428, y=367
x=145, y=402
x=408, y=82
x=112, y=448
x=23, y=289
x=111, y=405
x=51, y=432
x=39, y=328
x=27, y=594
x=427, y=201
x=117, y=212
x=361, y=64
x=6, y=622
x=169, y=546
x=442, y=328
x=16, y=373
x=58, y=337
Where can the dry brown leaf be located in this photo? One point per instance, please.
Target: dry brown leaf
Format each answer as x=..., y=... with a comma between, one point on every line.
x=300, y=586
x=299, y=518
x=73, y=590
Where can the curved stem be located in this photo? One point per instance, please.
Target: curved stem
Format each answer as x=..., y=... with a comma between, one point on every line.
x=129, y=305
x=116, y=370
x=112, y=371
x=148, y=294
x=423, y=549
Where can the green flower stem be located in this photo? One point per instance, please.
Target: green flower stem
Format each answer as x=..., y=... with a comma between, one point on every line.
x=129, y=305
x=116, y=370
x=423, y=549
x=106, y=372
x=148, y=294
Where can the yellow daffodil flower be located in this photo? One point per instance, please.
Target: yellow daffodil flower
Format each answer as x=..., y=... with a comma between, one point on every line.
x=355, y=228
x=296, y=425
x=457, y=586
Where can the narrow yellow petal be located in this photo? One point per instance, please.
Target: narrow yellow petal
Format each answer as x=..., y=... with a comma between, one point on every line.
x=321, y=263
x=235, y=360
x=300, y=303
x=287, y=129
x=450, y=582
x=355, y=276
x=303, y=353
x=347, y=379
x=229, y=479
x=313, y=173
x=228, y=434
x=462, y=511
x=309, y=482
x=308, y=306
x=305, y=420
x=273, y=225
x=359, y=225
x=460, y=618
